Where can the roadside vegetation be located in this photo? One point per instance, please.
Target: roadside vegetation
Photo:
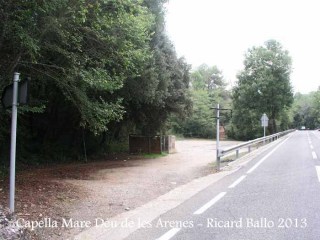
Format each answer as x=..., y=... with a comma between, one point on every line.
x=305, y=110
x=263, y=86
x=154, y=155
x=102, y=70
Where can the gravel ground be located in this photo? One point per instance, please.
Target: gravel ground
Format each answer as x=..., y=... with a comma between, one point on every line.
x=132, y=183
x=101, y=189
x=8, y=229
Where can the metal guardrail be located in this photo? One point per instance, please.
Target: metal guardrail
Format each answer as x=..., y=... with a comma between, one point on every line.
x=249, y=144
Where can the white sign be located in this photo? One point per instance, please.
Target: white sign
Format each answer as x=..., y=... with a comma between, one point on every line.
x=264, y=120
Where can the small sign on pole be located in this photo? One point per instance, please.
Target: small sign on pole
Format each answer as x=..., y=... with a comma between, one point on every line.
x=264, y=124
x=264, y=120
x=12, y=96
x=22, y=94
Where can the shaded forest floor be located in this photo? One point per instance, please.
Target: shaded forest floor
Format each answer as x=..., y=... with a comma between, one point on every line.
x=104, y=188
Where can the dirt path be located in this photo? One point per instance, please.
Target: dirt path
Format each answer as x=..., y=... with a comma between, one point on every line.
x=129, y=184
x=106, y=188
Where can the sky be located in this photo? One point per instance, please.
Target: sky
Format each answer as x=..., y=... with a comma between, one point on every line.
x=219, y=32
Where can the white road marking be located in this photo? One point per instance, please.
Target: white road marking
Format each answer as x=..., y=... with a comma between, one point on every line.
x=237, y=181
x=265, y=157
x=257, y=164
x=314, y=155
x=311, y=146
x=318, y=172
x=168, y=235
x=210, y=203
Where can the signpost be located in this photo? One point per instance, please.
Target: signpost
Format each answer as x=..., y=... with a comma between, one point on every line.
x=264, y=124
x=11, y=97
x=218, y=157
x=218, y=137
x=22, y=94
x=13, y=139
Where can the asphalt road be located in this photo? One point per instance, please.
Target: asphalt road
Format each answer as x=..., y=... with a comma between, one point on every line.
x=275, y=196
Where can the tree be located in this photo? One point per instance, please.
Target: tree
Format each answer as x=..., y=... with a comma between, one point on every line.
x=207, y=78
x=263, y=87
x=316, y=108
x=79, y=53
x=207, y=88
x=305, y=110
x=162, y=88
x=97, y=66
x=85, y=48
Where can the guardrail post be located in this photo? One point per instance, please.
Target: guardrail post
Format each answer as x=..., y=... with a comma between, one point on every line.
x=249, y=148
x=237, y=153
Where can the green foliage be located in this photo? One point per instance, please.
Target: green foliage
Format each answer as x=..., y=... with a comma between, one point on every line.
x=87, y=49
x=162, y=88
x=201, y=123
x=98, y=68
x=154, y=155
x=316, y=108
x=263, y=87
x=208, y=89
x=207, y=78
x=305, y=110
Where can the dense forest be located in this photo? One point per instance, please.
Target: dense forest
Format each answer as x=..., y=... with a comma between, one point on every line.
x=103, y=69
x=99, y=71
x=305, y=110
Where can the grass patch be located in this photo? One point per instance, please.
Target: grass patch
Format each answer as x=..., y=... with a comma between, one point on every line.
x=154, y=155
x=231, y=158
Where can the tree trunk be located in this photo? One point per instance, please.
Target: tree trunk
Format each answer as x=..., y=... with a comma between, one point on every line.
x=272, y=126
